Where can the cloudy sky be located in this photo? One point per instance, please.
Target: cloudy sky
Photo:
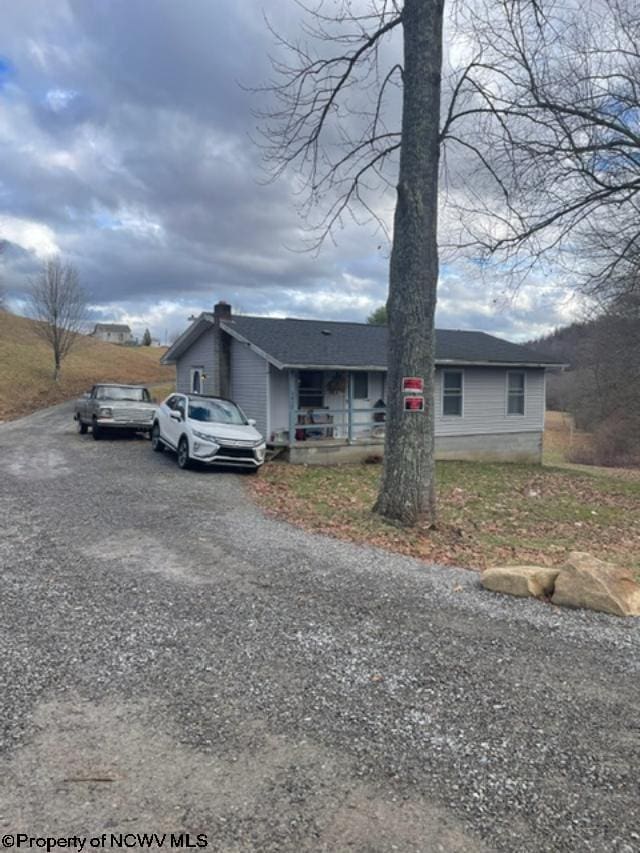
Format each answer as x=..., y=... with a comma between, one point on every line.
x=125, y=146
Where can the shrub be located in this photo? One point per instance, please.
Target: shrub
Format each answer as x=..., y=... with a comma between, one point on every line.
x=615, y=444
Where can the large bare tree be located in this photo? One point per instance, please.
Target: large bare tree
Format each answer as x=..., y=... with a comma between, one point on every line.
x=59, y=305
x=546, y=106
x=536, y=145
x=333, y=91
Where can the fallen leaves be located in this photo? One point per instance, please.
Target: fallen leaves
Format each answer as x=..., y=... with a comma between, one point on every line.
x=488, y=514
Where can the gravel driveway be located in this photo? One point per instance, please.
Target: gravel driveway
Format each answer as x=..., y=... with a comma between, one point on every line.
x=172, y=661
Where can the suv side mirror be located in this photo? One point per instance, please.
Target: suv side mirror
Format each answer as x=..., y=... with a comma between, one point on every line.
x=251, y=421
x=177, y=416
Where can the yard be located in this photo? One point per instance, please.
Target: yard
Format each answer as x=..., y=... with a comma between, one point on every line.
x=490, y=514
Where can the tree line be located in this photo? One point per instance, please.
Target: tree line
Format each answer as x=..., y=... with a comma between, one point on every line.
x=601, y=386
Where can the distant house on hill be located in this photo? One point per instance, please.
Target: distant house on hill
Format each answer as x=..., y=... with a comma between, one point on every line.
x=113, y=333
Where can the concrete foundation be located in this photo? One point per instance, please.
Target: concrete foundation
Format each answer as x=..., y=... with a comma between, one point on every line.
x=502, y=447
x=332, y=452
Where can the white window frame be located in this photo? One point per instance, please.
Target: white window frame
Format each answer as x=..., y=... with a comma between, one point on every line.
x=462, y=391
x=191, y=375
x=524, y=395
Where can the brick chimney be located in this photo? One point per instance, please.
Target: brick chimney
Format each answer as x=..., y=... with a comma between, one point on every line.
x=221, y=350
x=221, y=311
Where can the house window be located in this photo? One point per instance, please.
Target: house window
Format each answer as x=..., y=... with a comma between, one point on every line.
x=452, y=393
x=515, y=392
x=360, y=386
x=197, y=376
x=310, y=389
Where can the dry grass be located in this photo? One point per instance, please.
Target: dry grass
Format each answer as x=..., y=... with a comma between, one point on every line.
x=489, y=514
x=561, y=438
x=562, y=441
x=161, y=391
x=26, y=368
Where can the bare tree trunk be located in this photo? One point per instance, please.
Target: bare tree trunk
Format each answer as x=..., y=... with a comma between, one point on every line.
x=407, y=493
x=58, y=303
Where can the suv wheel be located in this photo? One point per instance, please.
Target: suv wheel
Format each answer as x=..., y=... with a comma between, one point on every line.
x=183, y=453
x=82, y=427
x=156, y=441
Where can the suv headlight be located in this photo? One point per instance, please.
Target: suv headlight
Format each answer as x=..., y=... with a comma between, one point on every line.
x=106, y=412
x=260, y=450
x=204, y=437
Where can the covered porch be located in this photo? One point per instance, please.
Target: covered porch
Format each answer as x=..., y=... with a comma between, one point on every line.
x=327, y=412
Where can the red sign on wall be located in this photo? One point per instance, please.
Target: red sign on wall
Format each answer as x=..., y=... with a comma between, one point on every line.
x=414, y=384
x=414, y=404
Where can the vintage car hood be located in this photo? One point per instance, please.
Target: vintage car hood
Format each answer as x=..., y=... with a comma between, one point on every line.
x=227, y=432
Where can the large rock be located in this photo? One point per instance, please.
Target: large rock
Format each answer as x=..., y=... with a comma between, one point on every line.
x=521, y=580
x=585, y=581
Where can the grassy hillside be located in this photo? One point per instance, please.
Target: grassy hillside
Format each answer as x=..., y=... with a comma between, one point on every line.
x=26, y=366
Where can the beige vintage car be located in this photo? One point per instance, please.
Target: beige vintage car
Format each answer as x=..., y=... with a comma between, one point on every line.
x=110, y=406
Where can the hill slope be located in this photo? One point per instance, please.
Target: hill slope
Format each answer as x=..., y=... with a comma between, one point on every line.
x=26, y=366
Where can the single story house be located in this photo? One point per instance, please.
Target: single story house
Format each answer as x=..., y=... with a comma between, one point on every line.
x=112, y=333
x=318, y=388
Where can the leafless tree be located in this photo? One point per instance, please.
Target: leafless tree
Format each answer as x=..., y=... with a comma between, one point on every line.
x=532, y=132
x=545, y=104
x=604, y=395
x=330, y=123
x=59, y=305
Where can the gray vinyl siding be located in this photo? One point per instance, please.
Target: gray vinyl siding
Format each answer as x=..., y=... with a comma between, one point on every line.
x=279, y=399
x=485, y=403
x=484, y=393
x=249, y=377
x=199, y=354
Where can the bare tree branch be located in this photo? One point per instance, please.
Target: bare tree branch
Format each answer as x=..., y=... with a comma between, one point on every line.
x=548, y=106
x=59, y=305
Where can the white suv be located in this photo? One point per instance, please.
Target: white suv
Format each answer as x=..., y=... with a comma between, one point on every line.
x=212, y=430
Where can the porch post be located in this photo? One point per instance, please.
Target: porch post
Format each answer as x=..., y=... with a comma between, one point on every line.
x=292, y=406
x=350, y=406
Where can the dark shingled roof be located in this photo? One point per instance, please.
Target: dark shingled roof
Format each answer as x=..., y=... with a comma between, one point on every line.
x=316, y=343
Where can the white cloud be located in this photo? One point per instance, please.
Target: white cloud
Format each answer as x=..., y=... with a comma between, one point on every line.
x=59, y=99
x=31, y=236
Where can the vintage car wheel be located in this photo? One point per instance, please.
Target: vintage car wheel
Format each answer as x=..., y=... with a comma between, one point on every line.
x=82, y=427
x=183, y=453
x=156, y=441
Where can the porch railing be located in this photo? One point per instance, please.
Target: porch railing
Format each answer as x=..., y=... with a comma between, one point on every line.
x=349, y=424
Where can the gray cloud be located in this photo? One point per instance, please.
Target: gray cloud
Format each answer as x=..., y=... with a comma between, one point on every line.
x=125, y=144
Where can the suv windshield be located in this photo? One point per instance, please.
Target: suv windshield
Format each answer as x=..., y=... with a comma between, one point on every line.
x=113, y=392
x=216, y=412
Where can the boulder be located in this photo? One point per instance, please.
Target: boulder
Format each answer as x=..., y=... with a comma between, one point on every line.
x=585, y=581
x=521, y=580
